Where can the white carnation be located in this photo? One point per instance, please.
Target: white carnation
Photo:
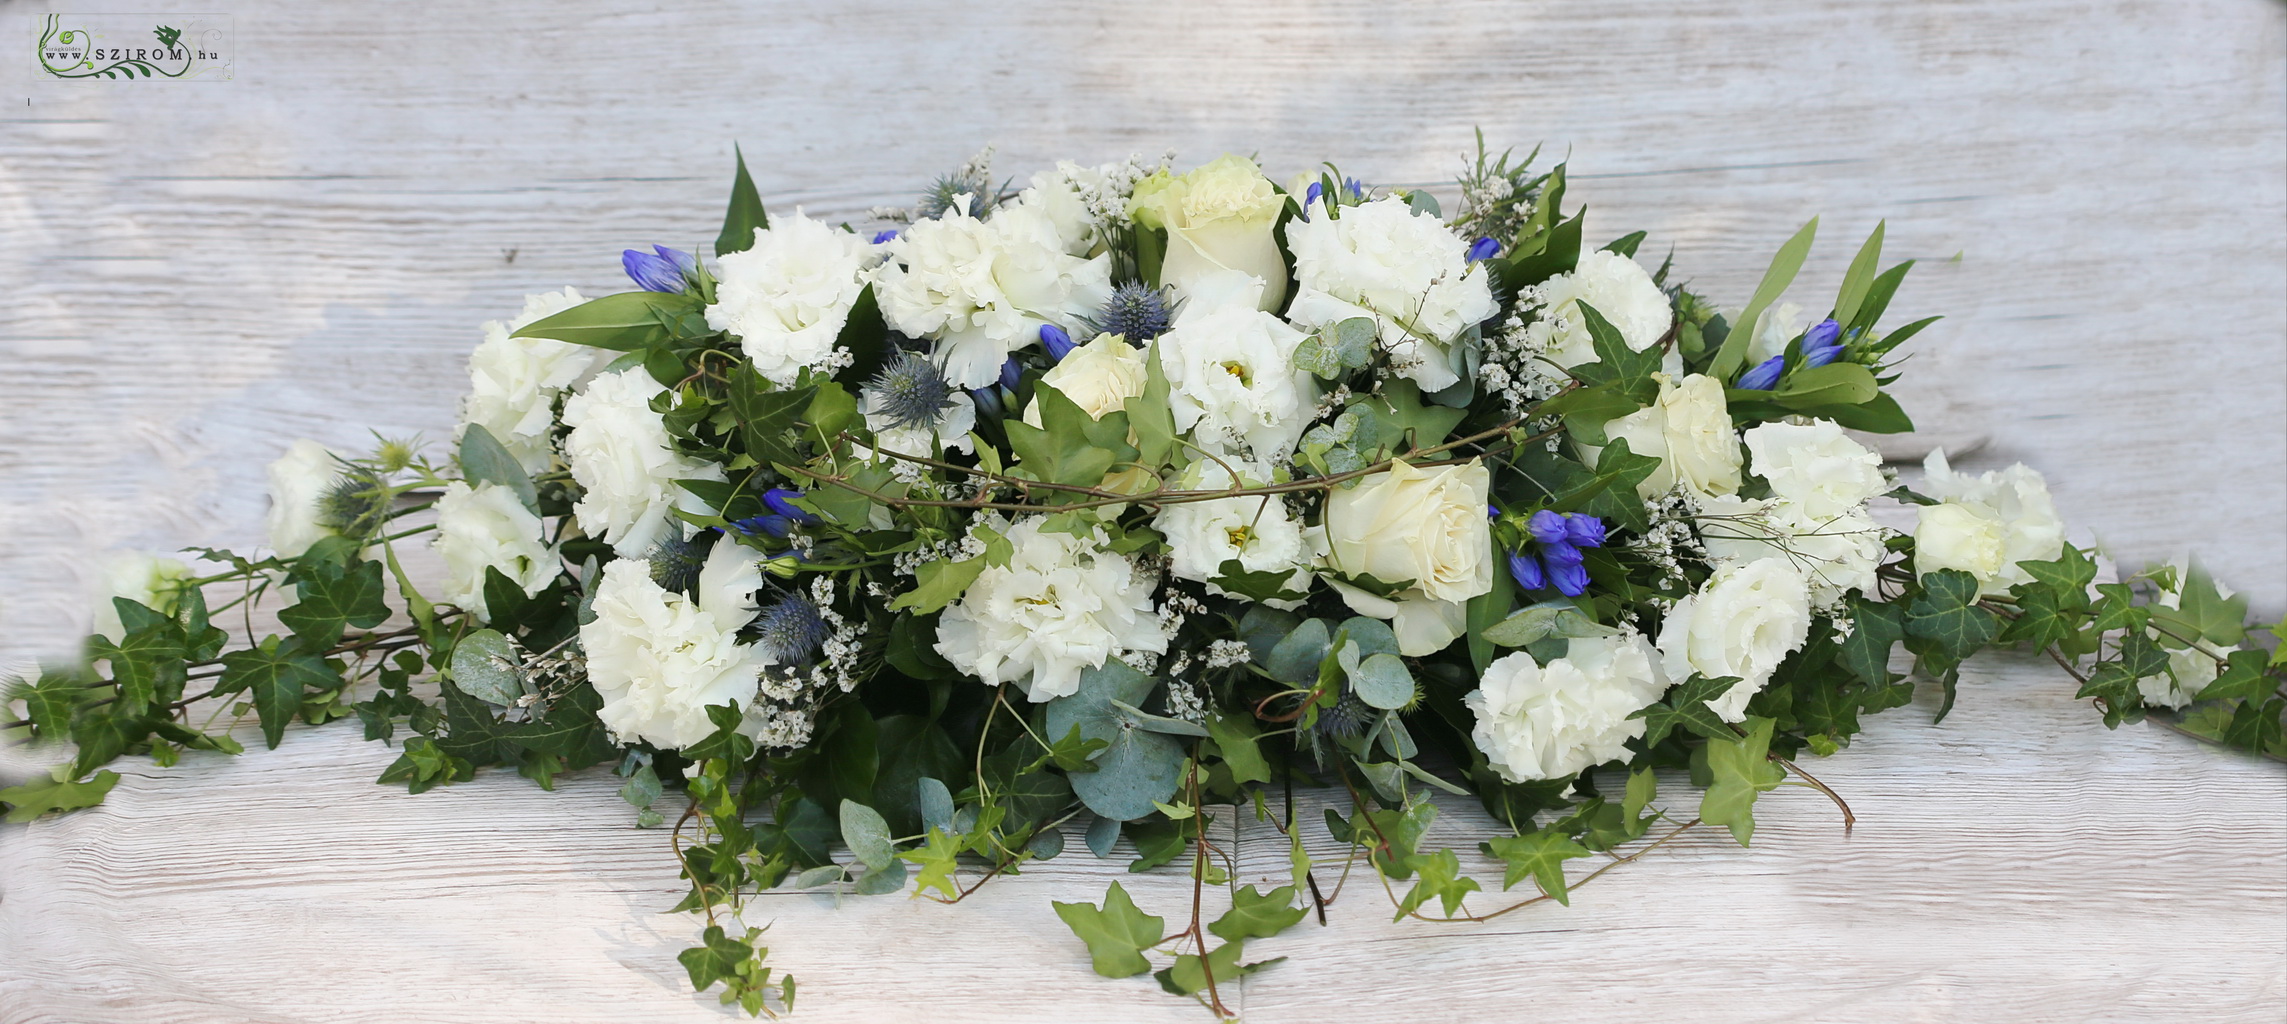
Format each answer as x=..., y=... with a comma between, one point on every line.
x=1743, y=623
x=787, y=297
x=1688, y=428
x=984, y=289
x=1402, y=269
x=1552, y=721
x=1230, y=371
x=299, y=482
x=1998, y=519
x=659, y=659
x=153, y=581
x=1257, y=531
x=1061, y=605
x=1835, y=555
x=625, y=464
x=487, y=527
x=514, y=382
x=1620, y=290
x=1815, y=468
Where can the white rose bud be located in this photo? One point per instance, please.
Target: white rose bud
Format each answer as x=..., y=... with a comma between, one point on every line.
x=1217, y=217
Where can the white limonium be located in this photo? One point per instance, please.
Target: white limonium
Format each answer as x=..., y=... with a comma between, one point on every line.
x=1548, y=722
x=1403, y=269
x=487, y=527
x=1218, y=217
x=1062, y=604
x=153, y=581
x=1743, y=623
x=514, y=382
x=1421, y=526
x=299, y=483
x=1230, y=371
x=625, y=464
x=1259, y=532
x=659, y=659
x=787, y=298
x=1986, y=524
x=984, y=288
x=1688, y=428
x=1081, y=201
x=1621, y=291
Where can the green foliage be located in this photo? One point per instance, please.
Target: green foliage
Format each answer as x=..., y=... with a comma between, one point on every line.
x=56, y=793
x=1540, y=855
x=1436, y=875
x=622, y=322
x=1741, y=769
x=1733, y=355
x=333, y=598
x=1687, y=706
x=484, y=460
x=1116, y=933
x=736, y=962
x=1944, y=625
x=1258, y=915
x=743, y=217
x=1138, y=767
x=277, y=675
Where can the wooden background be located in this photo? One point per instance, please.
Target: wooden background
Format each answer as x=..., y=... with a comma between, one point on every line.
x=196, y=274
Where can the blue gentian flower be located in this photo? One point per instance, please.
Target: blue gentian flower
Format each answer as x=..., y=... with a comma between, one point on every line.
x=781, y=501
x=1546, y=527
x=789, y=631
x=1820, y=356
x=775, y=527
x=1356, y=188
x=1583, y=531
x=1560, y=553
x=988, y=402
x=889, y=235
x=1526, y=570
x=1483, y=249
x=1763, y=376
x=1492, y=511
x=1822, y=334
x=1569, y=580
x=1056, y=341
x=660, y=270
x=1314, y=193
x=1011, y=373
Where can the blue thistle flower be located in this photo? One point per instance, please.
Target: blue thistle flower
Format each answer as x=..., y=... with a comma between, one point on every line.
x=1055, y=340
x=1483, y=249
x=1764, y=376
x=1526, y=570
x=676, y=561
x=1134, y=312
x=355, y=506
x=939, y=199
x=910, y=391
x=660, y=270
x=1570, y=580
x=789, y=631
x=1346, y=719
x=781, y=501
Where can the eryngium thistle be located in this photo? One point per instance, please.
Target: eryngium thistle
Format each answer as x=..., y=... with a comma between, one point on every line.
x=1134, y=312
x=675, y=563
x=355, y=506
x=1346, y=719
x=948, y=188
x=789, y=631
x=910, y=391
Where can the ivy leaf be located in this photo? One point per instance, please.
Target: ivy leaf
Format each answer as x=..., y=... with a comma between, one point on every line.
x=1152, y=417
x=2243, y=678
x=49, y=701
x=1541, y=855
x=725, y=742
x=1258, y=915
x=1059, y=450
x=2112, y=683
x=2201, y=607
x=766, y=414
x=1741, y=769
x=2069, y=573
x=939, y=584
x=41, y=796
x=1267, y=585
x=277, y=675
x=937, y=857
x=1185, y=977
x=1944, y=625
x=2116, y=609
x=147, y=662
x=1234, y=735
x=717, y=958
x=331, y=602
x=1116, y=934
x=1436, y=875
x=1687, y=706
x=1615, y=361
x=1877, y=627
x=2045, y=618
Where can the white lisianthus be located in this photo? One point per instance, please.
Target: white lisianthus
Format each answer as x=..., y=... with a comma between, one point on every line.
x=659, y=659
x=1988, y=524
x=1400, y=268
x=1424, y=526
x=788, y=297
x=984, y=289
x=1218, y=217
x=514, y=382
x=488, y=527
x=1099, y=377
x=1061, y=605
x=1836, y=555
x=1621, y=291
x=1688, y=428
x=299, y=483
x=1743, y=623
x=1548, y=722
x=1230, y=371
x=626, y=465
x=153, y=581
x=1815, y=468
x=1257, y=531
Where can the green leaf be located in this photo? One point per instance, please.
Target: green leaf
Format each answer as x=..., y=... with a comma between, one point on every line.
x=1116, y=934
x=1944, y=622
x=276, y=675
x=2221, y=620
x=1818, y=387
x=1337, y=348
x=1152, y=417
x=2044, y=617
x=2243, y=678
x=725, y=742
x=1625, y=245
x=1559, y=619
x=1294, y=660
x=1159, y=723
x=1234, y=735
x=1540, y=855
x=1069, y=447
x=1687, y=706
x=49, y=701
x=484, y=666
x=743, y=218
x=1741, y=769
x=1437, y=875
x=1860, y=276
x=938, y=857
x=1258, y=915
x=147, y=663
x=766, y=414
x=1877, y=299
x=1383, y=682
x=621, y=322
x=1781, y=273
x=867, y=834
x=484, y=460
x=718, y=957
x=2071, y=573
x=330, y=603
x=1138, y=767
x=42, y=796
x=1615, y=361
x=938, y=584
x=1267, y=585
x=1185, y=977
x=1876, y=628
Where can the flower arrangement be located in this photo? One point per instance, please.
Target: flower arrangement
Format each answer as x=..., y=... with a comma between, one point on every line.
x=1102, y=506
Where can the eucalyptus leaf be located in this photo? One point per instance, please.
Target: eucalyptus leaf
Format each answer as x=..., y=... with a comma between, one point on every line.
x=1138, y=767
x=1382, y=681
x=867, y=835
x=485, y=666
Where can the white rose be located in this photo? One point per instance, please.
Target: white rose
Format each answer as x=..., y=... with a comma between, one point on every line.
x=1965, y=536
x=1403, y=270
x=1423, y=625
x=1743, y=623
x=625, y=464
x=299, y=482
x=1424, y=526
x=659, y=659
x=149, y=580
x=1218, y=217
x=2016, y=498
x=1835, y=555
x=984, y=289
x=1230, y=371
x=787, y=298
x=1259, y=532
x=1779, y=326
x=1815, y=468
x=1621, y=291
x=1688, y=428
x=1549, y=722
x=1061, y=605
x=1099, y=377
x=514, y=382
x=488, y=527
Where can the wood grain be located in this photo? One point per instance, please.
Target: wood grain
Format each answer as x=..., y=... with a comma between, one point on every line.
x=198, y=274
